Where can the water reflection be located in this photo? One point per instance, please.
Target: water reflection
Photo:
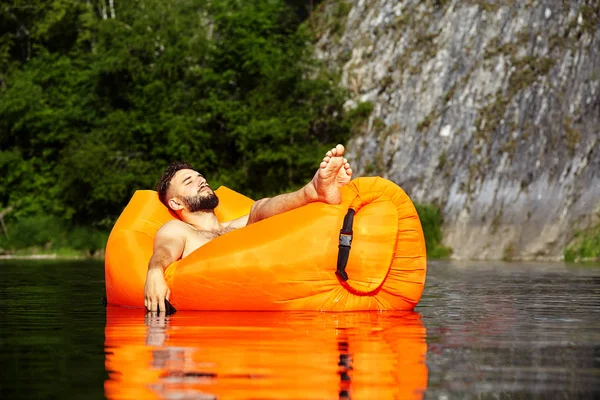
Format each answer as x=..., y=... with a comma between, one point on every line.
x=501, y=330
x=494, y=330
x=235, y=355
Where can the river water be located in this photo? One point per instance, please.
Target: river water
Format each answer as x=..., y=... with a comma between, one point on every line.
x=482, y=330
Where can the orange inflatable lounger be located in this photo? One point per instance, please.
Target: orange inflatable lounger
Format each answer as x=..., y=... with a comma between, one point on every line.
x=367, y=253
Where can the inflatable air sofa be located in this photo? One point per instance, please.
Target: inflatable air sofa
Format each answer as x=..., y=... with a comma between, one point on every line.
x=367, y=253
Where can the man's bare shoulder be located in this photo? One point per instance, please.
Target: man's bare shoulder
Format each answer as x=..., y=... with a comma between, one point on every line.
x=174, y=227
x=172, y=237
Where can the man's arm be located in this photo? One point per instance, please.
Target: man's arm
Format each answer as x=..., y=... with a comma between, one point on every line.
x=333, y=173
x=168, y=248
x=268, y=207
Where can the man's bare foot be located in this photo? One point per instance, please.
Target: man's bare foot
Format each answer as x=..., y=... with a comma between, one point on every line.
x=345, y=173
x=333, y=173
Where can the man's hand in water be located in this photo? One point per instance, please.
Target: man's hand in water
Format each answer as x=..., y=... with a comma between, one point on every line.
x=156, y=290
x=168, y=247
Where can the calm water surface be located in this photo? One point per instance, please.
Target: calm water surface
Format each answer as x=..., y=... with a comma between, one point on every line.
x=482, y=330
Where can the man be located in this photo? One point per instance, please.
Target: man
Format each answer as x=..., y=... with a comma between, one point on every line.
x=187, y=193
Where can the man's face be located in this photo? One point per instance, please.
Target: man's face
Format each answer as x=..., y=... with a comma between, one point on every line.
x=191, y=189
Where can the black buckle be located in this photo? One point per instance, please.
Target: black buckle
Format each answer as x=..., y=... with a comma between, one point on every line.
x=345, y=241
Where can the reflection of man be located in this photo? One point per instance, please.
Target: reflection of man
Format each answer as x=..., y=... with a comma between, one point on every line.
x=157, y=330
x=187, y=193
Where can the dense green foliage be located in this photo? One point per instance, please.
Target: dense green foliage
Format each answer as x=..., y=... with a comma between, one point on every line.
x=431, y=220
x=95, y=102
x=585, y=246
x=50, y=234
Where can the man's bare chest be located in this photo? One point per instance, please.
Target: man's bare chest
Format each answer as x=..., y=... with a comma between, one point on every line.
x=196, y=238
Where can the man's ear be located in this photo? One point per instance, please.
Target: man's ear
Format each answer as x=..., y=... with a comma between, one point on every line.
x=175, y=204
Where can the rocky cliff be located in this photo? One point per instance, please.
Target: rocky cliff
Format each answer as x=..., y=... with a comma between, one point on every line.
x=488, y=109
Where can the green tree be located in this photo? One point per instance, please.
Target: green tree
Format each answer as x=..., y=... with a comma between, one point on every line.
x=95, y=101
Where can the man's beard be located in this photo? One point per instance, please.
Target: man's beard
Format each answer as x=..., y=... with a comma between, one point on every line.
x=199, y=202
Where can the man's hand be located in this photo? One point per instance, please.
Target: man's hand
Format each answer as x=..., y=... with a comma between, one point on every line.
x=168, y=248
x=156, y=290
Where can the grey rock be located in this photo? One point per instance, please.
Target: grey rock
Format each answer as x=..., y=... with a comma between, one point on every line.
x=490, y=110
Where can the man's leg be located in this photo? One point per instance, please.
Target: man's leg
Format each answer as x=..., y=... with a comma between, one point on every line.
x=333, y=173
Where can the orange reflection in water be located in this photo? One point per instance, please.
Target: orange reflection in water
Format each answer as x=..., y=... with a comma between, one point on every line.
x=266, y=355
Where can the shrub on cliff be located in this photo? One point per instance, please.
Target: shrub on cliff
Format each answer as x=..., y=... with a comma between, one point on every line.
x=585, y=246
x=431, y=220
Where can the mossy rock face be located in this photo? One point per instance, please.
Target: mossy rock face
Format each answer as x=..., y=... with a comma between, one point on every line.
x=585, y=246
x=330, y=17
x=496, y=109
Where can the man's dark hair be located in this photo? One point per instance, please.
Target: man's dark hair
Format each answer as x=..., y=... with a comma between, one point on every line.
x=165, y=180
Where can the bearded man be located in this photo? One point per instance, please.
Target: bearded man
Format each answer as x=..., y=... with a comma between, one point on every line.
x=187, y=193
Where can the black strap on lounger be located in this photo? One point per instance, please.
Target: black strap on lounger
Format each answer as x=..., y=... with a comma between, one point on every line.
x=344, y=247
x=169, y=309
